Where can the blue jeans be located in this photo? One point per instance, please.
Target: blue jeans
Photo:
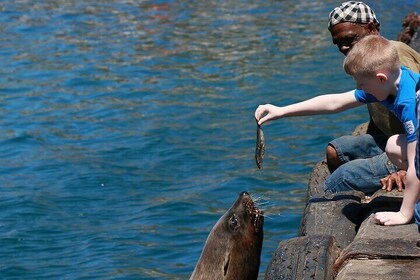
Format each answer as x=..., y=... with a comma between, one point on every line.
x=365, y=163
x=417, y=214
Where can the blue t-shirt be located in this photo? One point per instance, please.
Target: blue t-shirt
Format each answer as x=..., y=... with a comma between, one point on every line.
x=403, y=105
x=418, y=145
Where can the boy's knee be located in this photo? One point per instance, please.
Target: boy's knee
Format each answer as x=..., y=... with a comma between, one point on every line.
x=391, y=145
x=333, y=161
x=395, y=150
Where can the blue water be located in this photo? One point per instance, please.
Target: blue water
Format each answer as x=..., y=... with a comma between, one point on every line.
x=127, y=129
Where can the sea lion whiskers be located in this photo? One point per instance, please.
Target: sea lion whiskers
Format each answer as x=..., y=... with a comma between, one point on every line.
x=252, y=207
x=260, y=200
x=260, y=197
x=262, y=211
x=262, y=214
x=267, y=213
x=261, y=204
x=255, y=199
x=256, y=213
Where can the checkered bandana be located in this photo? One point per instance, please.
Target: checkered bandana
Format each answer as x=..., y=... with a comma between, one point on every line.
x=357, y=12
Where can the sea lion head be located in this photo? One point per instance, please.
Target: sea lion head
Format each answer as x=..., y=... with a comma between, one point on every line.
x=244, y=217
x=233, y=247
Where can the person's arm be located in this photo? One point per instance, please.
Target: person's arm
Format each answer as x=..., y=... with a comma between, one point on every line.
x=322, y=104
x=411, y=195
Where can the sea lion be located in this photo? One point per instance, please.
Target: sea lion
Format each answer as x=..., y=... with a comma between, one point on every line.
x=233, y=248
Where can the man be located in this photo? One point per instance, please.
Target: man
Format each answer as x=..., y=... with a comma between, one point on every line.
x=359, y=162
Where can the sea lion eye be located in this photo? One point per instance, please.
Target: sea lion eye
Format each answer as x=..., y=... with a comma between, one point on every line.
x=233, y=222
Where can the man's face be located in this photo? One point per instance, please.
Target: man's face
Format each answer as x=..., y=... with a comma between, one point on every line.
x=346, y=34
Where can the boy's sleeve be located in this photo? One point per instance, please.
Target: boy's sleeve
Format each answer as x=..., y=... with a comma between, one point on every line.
x=364, y=97
x=409, y=119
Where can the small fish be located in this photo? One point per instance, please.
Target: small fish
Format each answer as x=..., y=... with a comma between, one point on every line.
x=260, y=147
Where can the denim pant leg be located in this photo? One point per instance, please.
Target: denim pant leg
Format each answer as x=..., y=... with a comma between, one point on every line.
x=355, y=147
x=417, y=214
x=360, y=174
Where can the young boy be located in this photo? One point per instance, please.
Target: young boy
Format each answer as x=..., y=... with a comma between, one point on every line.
x=374, y=65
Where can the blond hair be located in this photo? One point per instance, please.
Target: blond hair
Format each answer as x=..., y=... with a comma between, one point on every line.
x=371, y=54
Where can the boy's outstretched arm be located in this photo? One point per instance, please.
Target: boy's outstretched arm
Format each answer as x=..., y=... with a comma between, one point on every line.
x=411, y=195
x=322, y=104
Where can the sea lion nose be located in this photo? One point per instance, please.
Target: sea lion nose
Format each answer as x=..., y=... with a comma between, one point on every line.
x=244, y=193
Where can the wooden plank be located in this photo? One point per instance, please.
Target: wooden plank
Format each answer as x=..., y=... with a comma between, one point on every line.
x=380, y=270
x=375, y=241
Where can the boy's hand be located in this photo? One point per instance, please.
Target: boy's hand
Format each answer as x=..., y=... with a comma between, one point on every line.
x=391, y=218
x=266, y=113
x=396, y=178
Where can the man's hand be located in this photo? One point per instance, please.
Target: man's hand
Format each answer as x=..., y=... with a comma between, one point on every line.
x=396, y=178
